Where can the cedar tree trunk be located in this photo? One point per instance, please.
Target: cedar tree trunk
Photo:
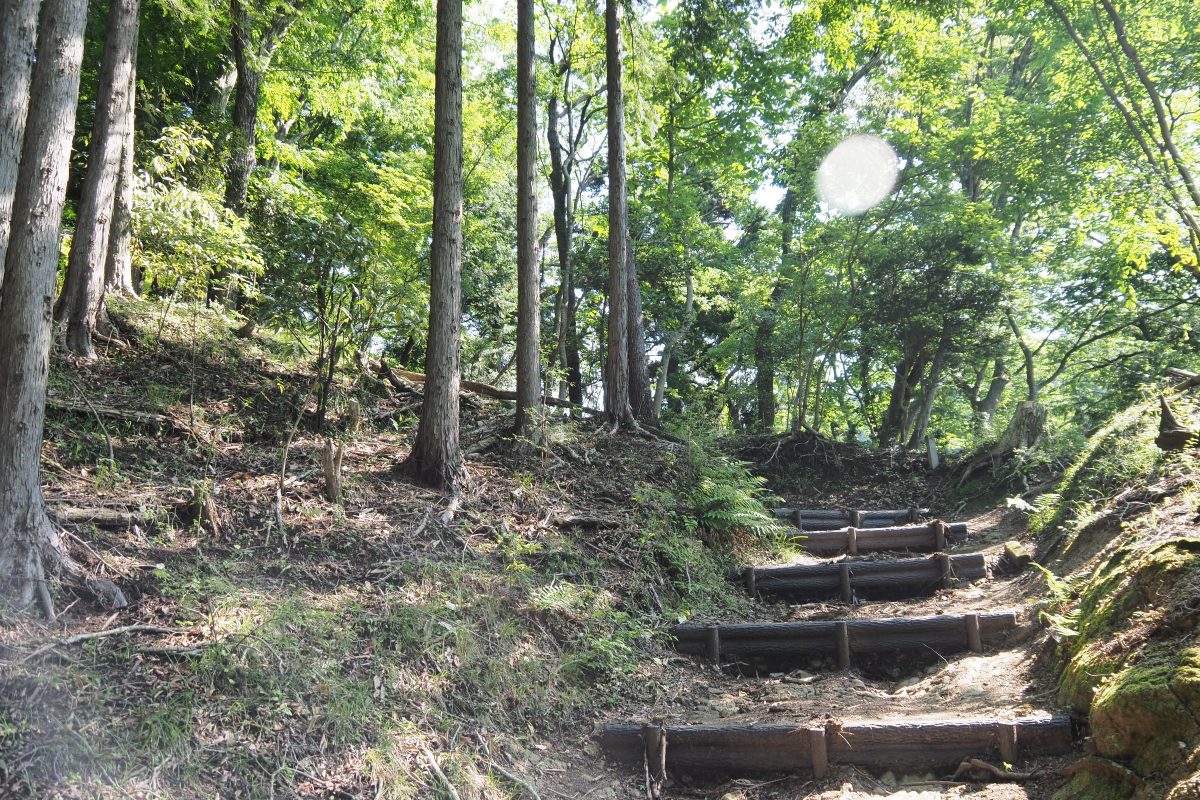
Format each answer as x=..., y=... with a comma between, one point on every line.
x=30, y=547
x=83, y=289
x=436, y=459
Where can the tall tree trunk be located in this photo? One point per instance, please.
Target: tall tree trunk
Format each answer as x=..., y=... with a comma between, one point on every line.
x=242, y=156
x=640, y=399
x=616, y=367
x=118, y=268
x=930, y=386
x=83, y=289
x=529, y=281
x=890, y=429
x=564, y=308
x=764, y=335
x=18, y=34
x=991, y=401
x=436, y=459
x=673, y=340
x=30, y=548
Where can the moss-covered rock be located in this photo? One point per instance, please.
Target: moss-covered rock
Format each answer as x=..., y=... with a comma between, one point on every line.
x=1099, y=779
x=1083, y=674
x=1185, y=682
x=1136, y=715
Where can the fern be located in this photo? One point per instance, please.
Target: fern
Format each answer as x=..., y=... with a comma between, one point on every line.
x=728, y=500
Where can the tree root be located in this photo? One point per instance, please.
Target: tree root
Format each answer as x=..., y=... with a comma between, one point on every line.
x=32, y=557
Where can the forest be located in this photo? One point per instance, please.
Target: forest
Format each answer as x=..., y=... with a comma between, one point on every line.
x=701, y=252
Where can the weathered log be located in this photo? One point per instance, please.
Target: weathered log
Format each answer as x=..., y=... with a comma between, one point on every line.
x=722, y=750
x=918, y=538
x=888, y=580
x=100, y=517
x=942, y=634
x=846, y=515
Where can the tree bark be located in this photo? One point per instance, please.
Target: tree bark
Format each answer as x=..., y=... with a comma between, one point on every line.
x=564, y=311
x=640, y=398
x=764, y=336
x=673, y=340
x=436, y=459
x=30, y=548
x=83, y=290
x=529, y=281
x=18, y=34
x=118, y=268
x=616, y=367
x=930, y=386
x=242, y=156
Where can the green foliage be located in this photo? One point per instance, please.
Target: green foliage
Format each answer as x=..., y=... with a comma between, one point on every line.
x=729, y=501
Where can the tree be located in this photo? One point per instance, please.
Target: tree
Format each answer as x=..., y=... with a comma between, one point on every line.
x=616, y=366
x=436, y=459
x=529, y=280
x=118, y=267
x=1145, y=101
x=83, y=290
x=30, y=547
x=18, y=26
x=251, y=61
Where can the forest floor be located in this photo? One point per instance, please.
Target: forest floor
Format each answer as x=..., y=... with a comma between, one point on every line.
x=391, y=645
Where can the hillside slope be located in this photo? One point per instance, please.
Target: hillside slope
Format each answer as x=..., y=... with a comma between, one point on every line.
x=386, y=645
x=1121, y=542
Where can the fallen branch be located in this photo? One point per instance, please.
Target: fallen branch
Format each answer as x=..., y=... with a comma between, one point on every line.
x=142, y=417
x=975, y=765
x=404, y=380
x=84, y=637
x=433, y=766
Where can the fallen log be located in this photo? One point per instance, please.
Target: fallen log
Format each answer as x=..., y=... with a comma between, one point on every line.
x=724, y=750
x=882, y=580
x=100, y=517
x=919, y=538
x=943, y=634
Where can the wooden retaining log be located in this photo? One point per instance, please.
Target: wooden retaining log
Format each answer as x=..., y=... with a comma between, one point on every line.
x=826, y=518
x=944, y=634
x=882, y=580
x=774, y=749
x=918, y=538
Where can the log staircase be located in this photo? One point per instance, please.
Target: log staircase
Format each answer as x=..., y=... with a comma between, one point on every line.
x=840, y=537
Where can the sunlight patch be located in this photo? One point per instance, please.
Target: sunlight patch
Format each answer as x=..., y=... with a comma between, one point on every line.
x=857, y=174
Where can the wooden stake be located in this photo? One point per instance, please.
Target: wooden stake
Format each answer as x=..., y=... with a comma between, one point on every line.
x=843, y=645
x=1008, y=742
x=939, y=533
x=816, y=748
x=852, y=541
x=947, y=569
x=974, y=635
x=751, y=582
x=713, y=633
x=844, y=577
x=331, y=464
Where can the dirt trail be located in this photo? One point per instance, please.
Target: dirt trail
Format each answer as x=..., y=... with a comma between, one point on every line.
x=1001, y=683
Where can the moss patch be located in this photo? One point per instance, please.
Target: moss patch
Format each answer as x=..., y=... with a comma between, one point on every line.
x=1099, y=779
x=1136, y=715
x=1185, y=682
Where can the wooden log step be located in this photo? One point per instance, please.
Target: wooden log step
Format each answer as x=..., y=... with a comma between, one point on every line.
x=881, y=580
x=772, y=749
x=918, y=538
x=826, y=518
x=943, y=634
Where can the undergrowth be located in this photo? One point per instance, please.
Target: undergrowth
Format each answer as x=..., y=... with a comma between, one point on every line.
x=335, y=657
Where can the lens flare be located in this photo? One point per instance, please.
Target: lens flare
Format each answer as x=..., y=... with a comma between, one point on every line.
x=857, y=174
